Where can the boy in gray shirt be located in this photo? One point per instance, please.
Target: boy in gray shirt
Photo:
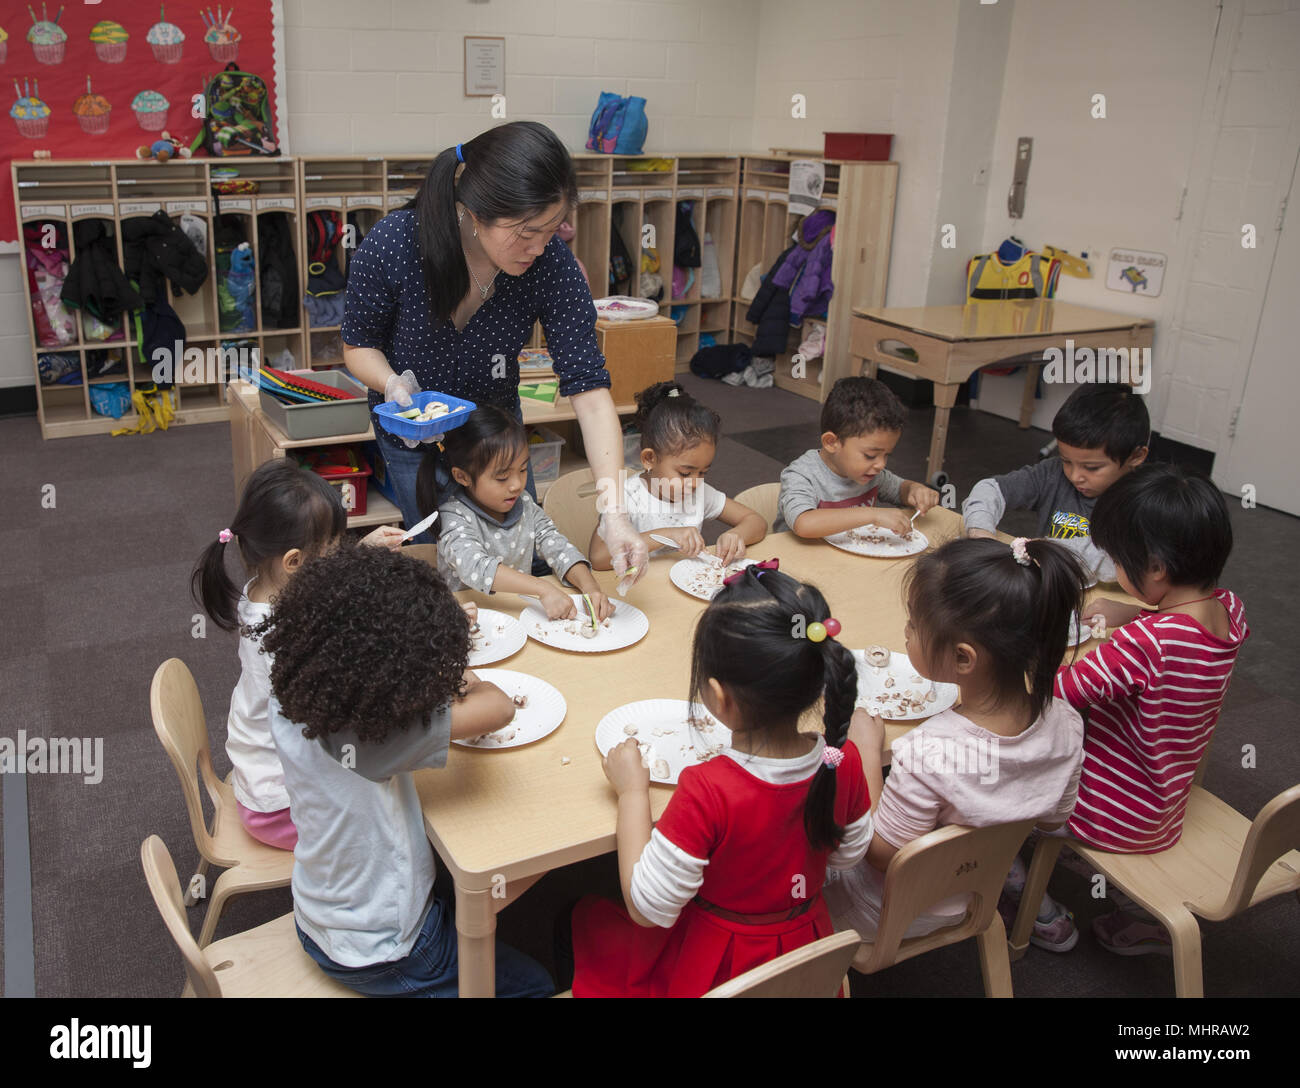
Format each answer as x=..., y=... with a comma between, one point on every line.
x=369, y=684
x=1102, y=432
x=836, y=487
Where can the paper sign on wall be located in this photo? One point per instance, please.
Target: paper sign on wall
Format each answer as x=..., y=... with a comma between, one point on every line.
x=1135, y=272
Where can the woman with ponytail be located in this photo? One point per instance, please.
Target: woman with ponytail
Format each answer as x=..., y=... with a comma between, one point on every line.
x=286, y=516
x=443, y=294
x=994, y=620
x=731, y=875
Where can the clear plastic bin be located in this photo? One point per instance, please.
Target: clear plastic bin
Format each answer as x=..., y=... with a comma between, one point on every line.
x=544, y=451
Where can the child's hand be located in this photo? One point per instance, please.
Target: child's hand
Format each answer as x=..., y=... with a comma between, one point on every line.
x=624, y=769
x=558, y=605
x=688, y=539
x=981, y=534
x=603, y=605
x=471, y=612
x=1111, y=614
x=922, y=497
x=386, y=536
x=888, y=518
x=730, y=547
x=867, y=731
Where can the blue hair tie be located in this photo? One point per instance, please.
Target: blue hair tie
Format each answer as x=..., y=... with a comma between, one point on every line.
x=459, y=156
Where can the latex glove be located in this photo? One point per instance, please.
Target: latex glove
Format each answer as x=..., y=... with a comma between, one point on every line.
x=400, y=388
x=627, y=550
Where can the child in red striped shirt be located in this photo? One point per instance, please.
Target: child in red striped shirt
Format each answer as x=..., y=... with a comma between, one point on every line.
x=1152, y=694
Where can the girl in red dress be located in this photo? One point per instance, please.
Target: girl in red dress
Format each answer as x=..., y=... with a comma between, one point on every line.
x=731, y=877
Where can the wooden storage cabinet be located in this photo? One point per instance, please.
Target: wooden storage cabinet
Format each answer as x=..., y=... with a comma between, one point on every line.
x=68, y=192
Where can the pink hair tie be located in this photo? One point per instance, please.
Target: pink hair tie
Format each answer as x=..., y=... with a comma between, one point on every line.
x=225, y=536
x=1021, y=552
x=832, y=756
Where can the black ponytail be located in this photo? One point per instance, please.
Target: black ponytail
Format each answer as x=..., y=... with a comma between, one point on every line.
x=752, y=639
x=670, y=420
x=976, y=591
x=490, y=437
x=510, y=172
x=283, y=507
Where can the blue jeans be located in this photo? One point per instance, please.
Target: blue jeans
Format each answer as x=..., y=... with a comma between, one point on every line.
x=430, y=968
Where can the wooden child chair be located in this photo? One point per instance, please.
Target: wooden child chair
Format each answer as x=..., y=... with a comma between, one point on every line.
x=763, y=501
x=268, y=961
x=574, y=514
x=815, y=970
x=1222, y=865
x=250, y=865
x=948, y=861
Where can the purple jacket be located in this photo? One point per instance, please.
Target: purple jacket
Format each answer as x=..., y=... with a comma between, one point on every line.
x=806, y=272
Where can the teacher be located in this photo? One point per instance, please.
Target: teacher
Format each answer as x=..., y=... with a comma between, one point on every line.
x=443, y=293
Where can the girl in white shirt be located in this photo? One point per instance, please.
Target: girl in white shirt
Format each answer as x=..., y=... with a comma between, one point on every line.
x=286, y=515
x=992, y=619
x=679, y=439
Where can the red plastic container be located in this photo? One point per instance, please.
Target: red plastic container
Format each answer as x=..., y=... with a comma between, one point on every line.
x=863, y=146
x=344, y=469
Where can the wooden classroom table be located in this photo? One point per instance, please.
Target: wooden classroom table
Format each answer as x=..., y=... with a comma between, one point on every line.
x=500, y=820
x=953, y=342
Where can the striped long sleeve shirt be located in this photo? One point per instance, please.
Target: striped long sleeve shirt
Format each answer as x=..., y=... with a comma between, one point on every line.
x=1153, y=694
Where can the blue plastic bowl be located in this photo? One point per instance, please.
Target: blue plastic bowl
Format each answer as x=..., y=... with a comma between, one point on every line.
x=417, y=432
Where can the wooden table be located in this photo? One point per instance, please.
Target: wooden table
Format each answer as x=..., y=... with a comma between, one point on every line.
x=501, y=820
x=953, y=342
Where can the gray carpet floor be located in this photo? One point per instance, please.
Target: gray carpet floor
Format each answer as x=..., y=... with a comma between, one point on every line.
x=96, y=597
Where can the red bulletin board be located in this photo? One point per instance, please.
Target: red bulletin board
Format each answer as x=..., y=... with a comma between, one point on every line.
x=259, y=50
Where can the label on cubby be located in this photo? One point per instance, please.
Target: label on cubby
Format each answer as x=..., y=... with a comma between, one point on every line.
x=657, y=194
x=289, y=202
x=722, y=190
x=324, y=202
x=365, y=200
x=592, y=194
x=756, y=194
x=829, y=202
x=186, y=206
x=91, y=209
x=690, y=194
x=43, y=210
x=396, y=200
x=778, y=198
x=236, y=204
x=138, y=207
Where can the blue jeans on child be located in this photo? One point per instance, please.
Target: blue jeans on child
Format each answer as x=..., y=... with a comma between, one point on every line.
x=430, y=968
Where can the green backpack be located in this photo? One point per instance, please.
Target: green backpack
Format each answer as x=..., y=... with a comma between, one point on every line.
x=236, y=116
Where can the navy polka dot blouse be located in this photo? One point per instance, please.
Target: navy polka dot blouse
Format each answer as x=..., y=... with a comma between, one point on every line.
x=388, y=309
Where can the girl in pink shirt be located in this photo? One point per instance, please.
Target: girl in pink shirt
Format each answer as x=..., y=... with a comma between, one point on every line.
x=1153, y=693
x=987, y=617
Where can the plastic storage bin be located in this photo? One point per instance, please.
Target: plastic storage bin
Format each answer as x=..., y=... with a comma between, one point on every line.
x=322, y=420
x=544, y=449
x=863, y=146
x=344, y=468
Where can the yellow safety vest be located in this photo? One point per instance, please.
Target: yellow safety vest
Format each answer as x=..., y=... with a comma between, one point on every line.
x=1033, y=276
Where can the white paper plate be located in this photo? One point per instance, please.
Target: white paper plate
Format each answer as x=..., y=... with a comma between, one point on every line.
x=878, y=695
x=626, y=627
x=703, y=579
x=661, y=724
x=1079, y=632
x=540, y=718
x=625, y=308
x=500, y=635
x=882, y=543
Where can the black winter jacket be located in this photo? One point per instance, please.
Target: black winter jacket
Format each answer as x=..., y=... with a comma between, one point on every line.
x=95, y=283
x=156, y=251
x=770, y=311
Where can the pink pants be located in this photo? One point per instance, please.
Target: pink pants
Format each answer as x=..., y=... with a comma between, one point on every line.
x=272, y=828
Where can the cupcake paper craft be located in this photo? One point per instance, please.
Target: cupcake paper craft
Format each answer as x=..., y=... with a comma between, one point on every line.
x=91, y=111
x=47, y=37
x=167, y=39
x=30, y=114
x=109, y=39
x=222, y=38
x=150, y=110
x=4, y=45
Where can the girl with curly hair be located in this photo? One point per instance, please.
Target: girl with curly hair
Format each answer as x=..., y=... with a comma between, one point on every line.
x=731, y=875
x=369, y=684
x=489, y=526
x=286, y=515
